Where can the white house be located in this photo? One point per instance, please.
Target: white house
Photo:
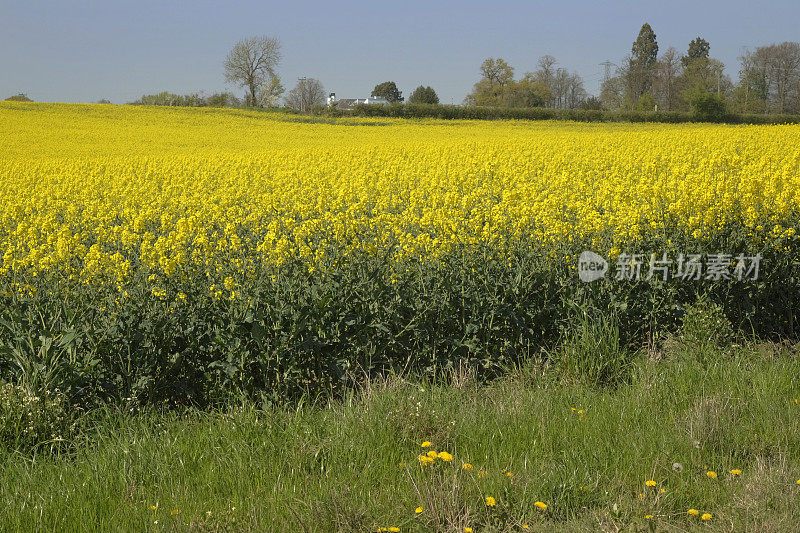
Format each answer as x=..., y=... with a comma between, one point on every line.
x=348, y=103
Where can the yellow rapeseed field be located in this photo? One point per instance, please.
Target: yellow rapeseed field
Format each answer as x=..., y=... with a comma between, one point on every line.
x=94, y=191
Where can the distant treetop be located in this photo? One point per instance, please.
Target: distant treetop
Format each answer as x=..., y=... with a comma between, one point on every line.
x=21, y=97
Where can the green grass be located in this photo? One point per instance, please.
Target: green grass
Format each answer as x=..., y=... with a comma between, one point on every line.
x=352, y=465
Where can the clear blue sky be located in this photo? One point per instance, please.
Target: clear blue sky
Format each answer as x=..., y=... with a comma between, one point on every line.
x=67, y=51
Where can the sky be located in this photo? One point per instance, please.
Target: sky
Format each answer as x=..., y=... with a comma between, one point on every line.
x=69, y=51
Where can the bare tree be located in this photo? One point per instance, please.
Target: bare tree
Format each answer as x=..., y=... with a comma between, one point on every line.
x=307, y=93
x=665, y=89
x=252, y=63
x=785, y=71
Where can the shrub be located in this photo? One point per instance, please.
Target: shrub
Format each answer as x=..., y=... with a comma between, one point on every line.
x=705, y=324
x=29, y=422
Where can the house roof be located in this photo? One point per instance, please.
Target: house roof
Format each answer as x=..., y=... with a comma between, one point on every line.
x=346, y=103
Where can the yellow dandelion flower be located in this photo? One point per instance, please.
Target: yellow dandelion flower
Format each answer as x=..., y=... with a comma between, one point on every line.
x=650, y=483
x=736, y=472
x=394, y=529
x=541, y=505
x=648, y=516
x=466, y=466
x=693, y=512
x=711, y=474
x=418, y=510
x=706, y=516
x=467, y=530
x=432, y=454
x=426, y=444
x=490, y=502
x=444, y=456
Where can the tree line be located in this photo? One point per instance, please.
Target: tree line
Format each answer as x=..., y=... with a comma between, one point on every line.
x=768, y=79
x=768, y=82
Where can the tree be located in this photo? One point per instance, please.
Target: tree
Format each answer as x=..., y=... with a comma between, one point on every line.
x=306, y=94
x=591, y=104
x=527, y=92
x=224, y=99
x=645, y=104
x=644, y=56
x=612, y=92
x=698, y=48
x=251, y=63
x=665, y=81
x=21, y=97
x=388, y=90
x=269, y=95
x=497, y=72
x=705, y=104
x=423, y=95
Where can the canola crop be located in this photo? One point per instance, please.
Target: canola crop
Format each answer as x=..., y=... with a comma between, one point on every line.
x=95, y=193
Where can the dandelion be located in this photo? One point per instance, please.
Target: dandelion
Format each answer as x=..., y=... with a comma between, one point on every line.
x=525, y=526
x=467, y=530
x=426, y=444
x=541, y=505
x=466, y=466
x=432, y=454
x=394, y=529
x=444, y=456
x=640, y=496
x=425, y=460
x=648, y=516
x=693, y=512
x=650, y=483
x=711, y=474
x=490, y=502
x=736, y=472
x=418, y=510
x=706, y=516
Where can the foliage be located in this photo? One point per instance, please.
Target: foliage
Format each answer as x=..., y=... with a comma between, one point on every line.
x=21, y=97
x=645, y=104
x=698, y=49
x=388, y=90
x=706, y=105
x=705, y=324
x=591, y=104
x=33, y=422
x=423, y=95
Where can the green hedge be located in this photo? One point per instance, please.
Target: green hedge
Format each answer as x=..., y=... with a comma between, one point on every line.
x=540, y=113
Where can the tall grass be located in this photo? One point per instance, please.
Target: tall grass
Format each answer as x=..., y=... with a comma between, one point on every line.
x=585, y=451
